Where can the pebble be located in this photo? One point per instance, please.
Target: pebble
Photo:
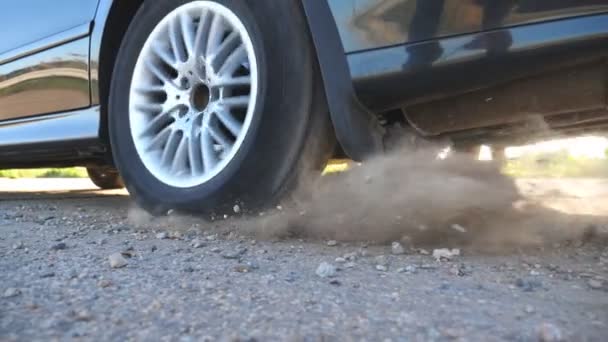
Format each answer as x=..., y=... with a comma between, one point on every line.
x=445, y=254
x=528, y=285
x=548, y=332
x=234, y=254
x=326, y=270
x=236, y=209
x=595, y=284
x=117, y=260
x=397, y=248
x=104, y=283
x=332, y=243
x=381, y=268
x=18, y=245
x=459, y=228
x=11, y=292
x=162, y=236
x=197, y=243
x=59, y=246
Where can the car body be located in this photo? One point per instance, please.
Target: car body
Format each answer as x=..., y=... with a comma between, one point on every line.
x=475, y=71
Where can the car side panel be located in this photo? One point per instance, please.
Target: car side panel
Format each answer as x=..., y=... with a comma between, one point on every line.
x=27, y=21
x=370, y=24
x=53, y=80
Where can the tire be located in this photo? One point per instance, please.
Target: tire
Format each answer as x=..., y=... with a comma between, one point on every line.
x=288, y=138
x=105, y=178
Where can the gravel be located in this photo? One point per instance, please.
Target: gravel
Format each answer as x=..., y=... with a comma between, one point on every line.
x=209, y=281
x=326, y=270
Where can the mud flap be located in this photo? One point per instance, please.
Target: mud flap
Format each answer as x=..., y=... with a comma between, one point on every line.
x=357, y=129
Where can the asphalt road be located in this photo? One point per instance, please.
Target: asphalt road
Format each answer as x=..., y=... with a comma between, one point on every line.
x=181, y=278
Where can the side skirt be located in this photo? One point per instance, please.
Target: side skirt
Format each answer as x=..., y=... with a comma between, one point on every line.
x=57, y=139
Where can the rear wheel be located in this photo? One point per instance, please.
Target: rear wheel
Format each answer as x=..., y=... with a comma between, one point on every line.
x=215, y=103
x=105, y=177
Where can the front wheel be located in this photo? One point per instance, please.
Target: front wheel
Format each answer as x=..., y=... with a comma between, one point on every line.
x=215, y=103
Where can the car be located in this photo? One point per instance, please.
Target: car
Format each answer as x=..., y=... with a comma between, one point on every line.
x=201, y=105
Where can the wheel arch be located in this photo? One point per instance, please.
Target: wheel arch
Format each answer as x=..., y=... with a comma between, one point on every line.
x=110, y=25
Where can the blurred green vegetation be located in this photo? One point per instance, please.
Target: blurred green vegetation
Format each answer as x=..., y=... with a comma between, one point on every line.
x=556, y=165
x=73, y=172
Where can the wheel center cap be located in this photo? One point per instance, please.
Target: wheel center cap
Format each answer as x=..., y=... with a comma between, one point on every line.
x=200, y=97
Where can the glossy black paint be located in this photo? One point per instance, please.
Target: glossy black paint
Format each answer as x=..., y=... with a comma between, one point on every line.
x=54, y=80
x=371, y=24
x=357, y=129
x=400, y=75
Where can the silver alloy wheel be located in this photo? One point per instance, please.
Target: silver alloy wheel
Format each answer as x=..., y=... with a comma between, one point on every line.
x=193, y=94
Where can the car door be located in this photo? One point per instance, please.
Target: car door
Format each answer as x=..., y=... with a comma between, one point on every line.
x=370, y=24
x=44, y=56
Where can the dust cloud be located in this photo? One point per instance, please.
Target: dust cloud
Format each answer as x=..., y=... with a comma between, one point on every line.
x=415, y=197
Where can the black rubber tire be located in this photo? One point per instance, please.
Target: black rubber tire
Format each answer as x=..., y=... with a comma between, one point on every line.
x=105, y=178
x=290, y=137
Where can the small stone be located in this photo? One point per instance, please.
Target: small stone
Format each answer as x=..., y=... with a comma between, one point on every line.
x=459, y=228
x=242, y=269
x=340, y=260
x=332, y=243
x=326, y=270
x=528, y=285
x=117, y=260
x=47, y=275
x=595, y=284
x=162, y=236
x=11, y=292
x=548, y=332
x=445, y=254
x=104, y=283
x=236, y=209
x=382, y=260
x=350, y=265
x=197, y=243
x=234, y=254
x=423, y=251
x=457, y=271
x=397, y=248
x=529, y=309
x=59, y=246
x=18, y=245
x=381, y=268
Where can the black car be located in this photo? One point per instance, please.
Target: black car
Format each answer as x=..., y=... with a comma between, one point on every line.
x=198, y=105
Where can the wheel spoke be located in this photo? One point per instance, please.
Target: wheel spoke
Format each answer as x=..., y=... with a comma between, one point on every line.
x=225, y=82
x=219, y=56
x=158, y=73
x=181, y=156
x=165, y=56
x=170, y=149
x=202, y=33
x=218, y=135
x=195, y=156
x=176, y=41
x=210, y=158
x=236, y=101
x=232, y=124
x=187, y=33
x=160, y=121
x=216, y=32
x=233, y=62
x=158, y=141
